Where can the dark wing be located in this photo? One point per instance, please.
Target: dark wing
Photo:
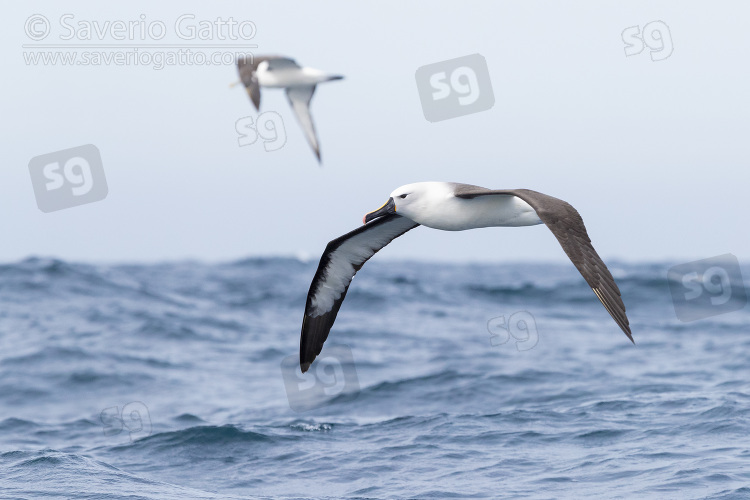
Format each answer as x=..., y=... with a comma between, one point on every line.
x=567, y=225
x=299, y=99
x=342, y=258
x=247, y=67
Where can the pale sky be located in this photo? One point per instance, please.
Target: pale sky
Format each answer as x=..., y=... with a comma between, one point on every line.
x=653, y=154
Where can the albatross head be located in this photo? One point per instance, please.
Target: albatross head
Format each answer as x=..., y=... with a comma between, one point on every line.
x=415, y=201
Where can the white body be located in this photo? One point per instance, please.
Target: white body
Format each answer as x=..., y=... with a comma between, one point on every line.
x=289, y=76
x=433, y=204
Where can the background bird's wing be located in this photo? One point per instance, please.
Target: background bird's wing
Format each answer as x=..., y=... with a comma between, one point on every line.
x=247, y=68
x=253, y=90
x=299, y=98
x=342, y=258
x=567, y=225
x=281, y=62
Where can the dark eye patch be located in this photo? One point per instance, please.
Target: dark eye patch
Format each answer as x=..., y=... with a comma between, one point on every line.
x=403, y=196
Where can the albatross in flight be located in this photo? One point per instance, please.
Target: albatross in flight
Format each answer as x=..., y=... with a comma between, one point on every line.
x=450, y=207
x=283, y=72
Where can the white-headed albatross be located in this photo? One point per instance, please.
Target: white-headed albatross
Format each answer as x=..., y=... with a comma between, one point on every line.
x=450, y=207
x=283, y=72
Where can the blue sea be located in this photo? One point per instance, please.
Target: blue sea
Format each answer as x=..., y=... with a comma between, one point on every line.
x=173, y=381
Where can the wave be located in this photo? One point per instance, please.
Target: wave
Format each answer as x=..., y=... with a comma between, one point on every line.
x=49, y=473
x=205, y=436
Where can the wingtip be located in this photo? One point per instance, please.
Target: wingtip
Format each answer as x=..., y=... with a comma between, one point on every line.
x=626, y=330
x=625, y=327
x=304, y=366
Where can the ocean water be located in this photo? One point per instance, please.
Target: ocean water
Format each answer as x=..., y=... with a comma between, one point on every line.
x=438, y=381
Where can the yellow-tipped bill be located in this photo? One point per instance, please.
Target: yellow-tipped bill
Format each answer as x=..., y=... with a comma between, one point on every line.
x=389, y=207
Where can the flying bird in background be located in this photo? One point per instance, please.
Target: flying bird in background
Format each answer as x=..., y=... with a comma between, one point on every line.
x=447, y=206
x=283, y=72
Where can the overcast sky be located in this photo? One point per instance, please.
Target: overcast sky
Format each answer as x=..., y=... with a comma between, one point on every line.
x=653, y=153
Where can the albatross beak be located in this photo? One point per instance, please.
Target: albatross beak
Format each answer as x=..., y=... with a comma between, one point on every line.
x=388, y=208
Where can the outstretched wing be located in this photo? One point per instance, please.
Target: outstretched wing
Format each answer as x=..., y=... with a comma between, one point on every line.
x=342, y=258
x=247, y=68
x=299, y=98
x=567, y=225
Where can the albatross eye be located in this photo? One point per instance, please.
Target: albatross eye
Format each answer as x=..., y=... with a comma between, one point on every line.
x=403, y=196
